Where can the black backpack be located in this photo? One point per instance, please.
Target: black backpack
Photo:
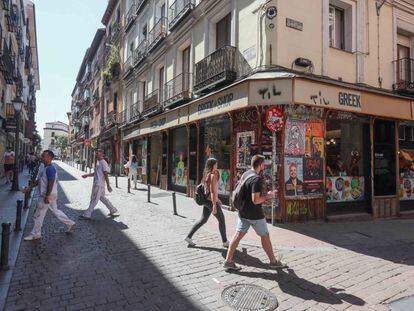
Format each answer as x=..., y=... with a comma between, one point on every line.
x=200, y=196
x=238, y=196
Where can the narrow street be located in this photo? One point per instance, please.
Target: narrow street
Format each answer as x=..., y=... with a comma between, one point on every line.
x=139, y=260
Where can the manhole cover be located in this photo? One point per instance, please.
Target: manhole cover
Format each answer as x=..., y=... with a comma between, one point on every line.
x=246, y=297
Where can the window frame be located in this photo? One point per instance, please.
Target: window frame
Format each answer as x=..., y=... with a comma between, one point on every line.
x=332, y=34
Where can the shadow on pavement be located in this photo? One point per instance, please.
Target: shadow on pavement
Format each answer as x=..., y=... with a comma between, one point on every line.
x=391, y=240
x=97, y=266
x=295, y=286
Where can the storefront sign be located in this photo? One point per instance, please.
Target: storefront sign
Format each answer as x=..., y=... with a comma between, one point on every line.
x=158, y=123
x=270, y=92
x=345, y=189
x=406, y=189
x=321, y=95
x=274, y=119
x=218, y=103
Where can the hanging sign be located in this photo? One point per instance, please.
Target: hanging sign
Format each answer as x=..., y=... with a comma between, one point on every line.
x=274, y=119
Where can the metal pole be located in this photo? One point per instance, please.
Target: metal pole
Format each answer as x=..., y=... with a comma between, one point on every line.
x=129, y=185
x=174, y=203
x=26, y=199
x=116, y=181
x=19, y=207
x=5, y=241
x=274, y=175
x=149, y=193
x=15, y=185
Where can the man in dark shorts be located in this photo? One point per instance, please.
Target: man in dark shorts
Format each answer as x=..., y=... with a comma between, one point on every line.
x=9, y=162
x=252, y=216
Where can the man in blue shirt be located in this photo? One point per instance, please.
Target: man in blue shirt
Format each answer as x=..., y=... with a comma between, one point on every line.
x=47, y=187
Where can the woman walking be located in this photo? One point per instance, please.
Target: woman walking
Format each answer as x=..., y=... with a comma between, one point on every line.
x=211, y=177
x=133, y=170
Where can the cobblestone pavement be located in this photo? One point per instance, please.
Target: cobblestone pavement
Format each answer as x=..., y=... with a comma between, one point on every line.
x=139, y=261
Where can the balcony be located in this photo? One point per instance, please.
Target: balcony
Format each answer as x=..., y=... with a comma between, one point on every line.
x=122, y=117
x=216, y=69
x=404, y=73
x=133, y=112
x=178, y=11
x=116, y=29
x=10, y=112
x=151, y=104
x=157, y=33
x=6, y=4
x=140, y=52
x=130, y=17
x=128, y=65
x=110, y=119
x=177, y=90
x=6, y=63
x=140, y=4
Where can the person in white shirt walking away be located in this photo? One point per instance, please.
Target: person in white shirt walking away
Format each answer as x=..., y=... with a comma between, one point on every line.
x=133, y=170
x=100, y=176
x=47, y=187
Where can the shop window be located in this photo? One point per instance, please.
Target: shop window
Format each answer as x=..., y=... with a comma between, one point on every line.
x=384, y=158
x=216, y=144
x=406, y=166
x=178, y=165
x=193, y=155
x=164, y=153
x=401, y=132
x=347, y=155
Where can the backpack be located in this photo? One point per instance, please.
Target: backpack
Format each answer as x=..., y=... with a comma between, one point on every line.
x=238, y=195
x=200, y=196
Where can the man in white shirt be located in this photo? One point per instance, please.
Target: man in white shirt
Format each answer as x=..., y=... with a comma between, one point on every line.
x=100, y=176
x=9, y=163
x=47, y=187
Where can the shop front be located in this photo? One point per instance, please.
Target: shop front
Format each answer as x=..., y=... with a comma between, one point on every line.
x=406, y=165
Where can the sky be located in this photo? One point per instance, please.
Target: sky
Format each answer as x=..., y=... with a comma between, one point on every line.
x=65, y=29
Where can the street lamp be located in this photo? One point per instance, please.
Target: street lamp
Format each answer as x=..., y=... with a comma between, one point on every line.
x=17, y=105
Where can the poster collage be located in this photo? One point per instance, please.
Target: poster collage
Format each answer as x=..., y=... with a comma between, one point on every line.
x=304, y=157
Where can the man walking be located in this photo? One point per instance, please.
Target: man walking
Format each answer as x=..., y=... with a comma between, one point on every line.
x=9, y=162
x=100, y=176
x=47, y=185
x=251, y=214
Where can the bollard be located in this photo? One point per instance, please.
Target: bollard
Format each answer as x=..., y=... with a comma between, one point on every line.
x=149, y=193
x=174, y=204
x=90, y=170
x=19, y=206
x=129, y=185
x=26, y=199
x=5, y=240
x=116, y=181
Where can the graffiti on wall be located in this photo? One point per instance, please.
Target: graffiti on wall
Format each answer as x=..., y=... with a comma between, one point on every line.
x=298, y=208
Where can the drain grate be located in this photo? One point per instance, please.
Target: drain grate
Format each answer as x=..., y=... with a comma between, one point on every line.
x=247, y=297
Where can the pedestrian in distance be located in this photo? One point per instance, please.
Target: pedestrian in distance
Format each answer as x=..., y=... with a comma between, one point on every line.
x=47, y=187
x=213, y=205
x=133, y=170
x=100, y=176
x=249, y=199
x=9, y=163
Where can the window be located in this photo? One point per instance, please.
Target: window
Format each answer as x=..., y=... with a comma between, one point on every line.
x=115, y=102
x=144, y=32
x=53, y=134
x=401, y=132
x=336, y=27
x=404, y=70
x=161, y=84
x=223, y=32
x=411, y=129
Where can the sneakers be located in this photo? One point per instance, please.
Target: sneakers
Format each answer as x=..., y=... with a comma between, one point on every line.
x=113, y=215
x=83, y=217
x=32, y=237
x=190, y=242
x=226, y=244
x=231, y=266
x=69, y=229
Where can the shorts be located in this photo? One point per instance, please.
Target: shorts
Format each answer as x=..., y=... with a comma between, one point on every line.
x=259, y=225
x=8, y=167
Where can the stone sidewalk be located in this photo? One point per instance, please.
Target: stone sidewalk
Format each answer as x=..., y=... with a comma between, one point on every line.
x=139, y=261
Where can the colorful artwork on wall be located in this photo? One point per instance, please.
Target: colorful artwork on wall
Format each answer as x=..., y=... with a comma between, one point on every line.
x=345, y=189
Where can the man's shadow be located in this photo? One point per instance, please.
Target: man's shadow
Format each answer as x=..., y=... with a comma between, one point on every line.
x=293, y=285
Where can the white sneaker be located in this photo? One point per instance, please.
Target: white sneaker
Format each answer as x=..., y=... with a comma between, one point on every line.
x=69, y=229
x=32, y=237
x=226, y=244
x=189, y=241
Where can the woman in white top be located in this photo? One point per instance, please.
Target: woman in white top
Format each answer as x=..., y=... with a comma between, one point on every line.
x=133, y=170
x=211, y=177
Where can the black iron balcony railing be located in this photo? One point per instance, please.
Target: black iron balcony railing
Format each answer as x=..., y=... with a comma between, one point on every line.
x=217, y=68
x=122, y=117
x=177, y=90
x=404, y=74
x=130, y=17
x=116, y=29
x=133, y=112
x=178, y=11
x=140, y=4
x=6, y=63
x=140, y=52
x=151, y=104
x=128, y=63
x=110, y=118
x=157, y=33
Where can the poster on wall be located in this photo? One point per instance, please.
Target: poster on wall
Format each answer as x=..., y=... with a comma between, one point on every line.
x=144, y=157
x=179, y=173
x=224, y=182
x=294, y=184
x=244, y=152
x=295, y=138
x=345, y=189
x=313, y=175
x=406, y=189
x=314, y=139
